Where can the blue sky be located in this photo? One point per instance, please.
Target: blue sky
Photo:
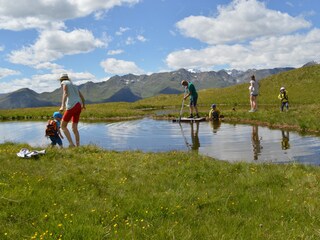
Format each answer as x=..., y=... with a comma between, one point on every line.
x=92, y=40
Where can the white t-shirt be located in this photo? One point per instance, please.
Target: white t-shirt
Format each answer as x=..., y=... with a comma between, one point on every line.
x=255, y=89
x=73, y=94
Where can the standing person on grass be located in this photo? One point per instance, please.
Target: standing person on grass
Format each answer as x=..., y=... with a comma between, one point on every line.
x=283, y=97
x=73, y=102
x=192, y=92
x=254, y=92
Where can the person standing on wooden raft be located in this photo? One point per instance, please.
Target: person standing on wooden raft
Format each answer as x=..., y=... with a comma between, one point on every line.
x=192, y=92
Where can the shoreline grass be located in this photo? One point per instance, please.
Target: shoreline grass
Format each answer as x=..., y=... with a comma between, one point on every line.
x=90, y=193
x=301, y=118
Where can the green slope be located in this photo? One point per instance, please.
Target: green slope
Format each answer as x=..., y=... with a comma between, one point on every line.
x=302, y=85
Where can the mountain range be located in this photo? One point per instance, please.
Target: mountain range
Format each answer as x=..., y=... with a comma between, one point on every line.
x=130, y=88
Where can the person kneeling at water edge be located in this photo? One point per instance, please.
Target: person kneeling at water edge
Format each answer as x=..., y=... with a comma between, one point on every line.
x=192, y=92
x=214, y=113
x=72, y=100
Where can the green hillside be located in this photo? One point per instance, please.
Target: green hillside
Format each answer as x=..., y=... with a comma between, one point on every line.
x=302, y=85
x=303, y=88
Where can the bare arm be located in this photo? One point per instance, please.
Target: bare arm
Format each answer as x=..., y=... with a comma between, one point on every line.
x=64, y=97
x=188, y=93
x=251, y=87
x=59, y=132
x=82, y=100
x=186, y=96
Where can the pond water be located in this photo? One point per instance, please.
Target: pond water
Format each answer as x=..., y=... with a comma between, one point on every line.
x=218, y=140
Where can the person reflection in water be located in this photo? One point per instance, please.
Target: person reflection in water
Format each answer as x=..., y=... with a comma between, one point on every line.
x=215, y=125
x=285, y=140
x=194, y=136
x=256, y=142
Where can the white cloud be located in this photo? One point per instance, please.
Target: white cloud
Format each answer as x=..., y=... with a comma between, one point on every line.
x=36, y=83
x=52, y=45
x=122, y=30
x=88, y=6
x=206, y=58
x=130, y=41
x=48, y=65
x=246, y=34
x=238, y=21
x=115, y=52
x=1, y=48
x=141, y=38
x=44, y=14
x=80, y=77
x=45, y=82
x=99, y=15
x=28, y=23
x=4, y=72
x=289, y=50
x=267, y=52
x=14, y=85
x=121, y=67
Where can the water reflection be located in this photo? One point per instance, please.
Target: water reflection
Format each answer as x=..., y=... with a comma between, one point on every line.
x=189, y=146
x=194, y=127
x=285, y=140
x=215, y=125
x=256, y=142
x=230, y=142
x=194, y=136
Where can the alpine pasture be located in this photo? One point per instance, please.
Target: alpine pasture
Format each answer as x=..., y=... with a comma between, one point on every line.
x=90, y=193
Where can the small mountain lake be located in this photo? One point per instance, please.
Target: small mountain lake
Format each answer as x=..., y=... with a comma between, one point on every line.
x=223, y=141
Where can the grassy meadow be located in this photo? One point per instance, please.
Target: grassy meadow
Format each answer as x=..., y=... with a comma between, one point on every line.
x=90, y=193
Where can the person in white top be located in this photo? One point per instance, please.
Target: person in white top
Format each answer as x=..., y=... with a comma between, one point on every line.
x=254, y=92
x=73, y=102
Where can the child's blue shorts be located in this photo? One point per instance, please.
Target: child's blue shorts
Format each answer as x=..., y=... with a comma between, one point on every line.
x=55, y=140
